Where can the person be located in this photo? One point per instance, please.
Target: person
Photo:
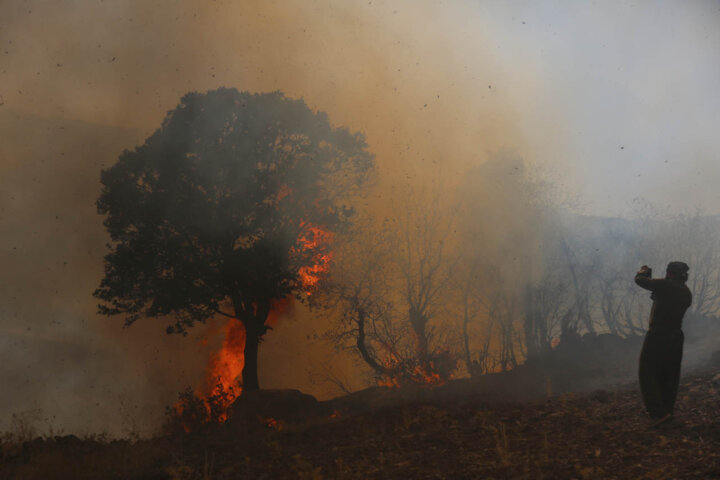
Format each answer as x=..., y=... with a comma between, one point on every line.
x=662, y=349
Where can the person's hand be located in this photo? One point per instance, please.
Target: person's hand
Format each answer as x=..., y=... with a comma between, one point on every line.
x=645, y=270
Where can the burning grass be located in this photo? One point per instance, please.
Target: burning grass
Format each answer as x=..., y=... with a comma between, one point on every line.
x=433, y=371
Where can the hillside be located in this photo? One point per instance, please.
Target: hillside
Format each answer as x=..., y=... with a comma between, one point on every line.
x=598, y=434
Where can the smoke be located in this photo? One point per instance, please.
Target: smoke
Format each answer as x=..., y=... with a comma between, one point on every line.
x=619, y=98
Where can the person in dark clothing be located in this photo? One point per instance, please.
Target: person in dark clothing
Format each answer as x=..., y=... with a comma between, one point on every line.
x=662, y=349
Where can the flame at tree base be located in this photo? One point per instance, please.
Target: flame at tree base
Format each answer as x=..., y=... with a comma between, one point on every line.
x=226, y=369
x=210, y=403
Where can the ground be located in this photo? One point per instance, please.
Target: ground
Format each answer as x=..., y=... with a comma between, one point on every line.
x=600, y=434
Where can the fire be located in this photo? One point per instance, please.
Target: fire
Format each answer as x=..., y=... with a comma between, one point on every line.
x=428, y=375
x=223, y=382
x=389, y=382
x=273, y=423
x=225, y=368
x=433, y=371
x=315, y=241
x=214, y=397
x=419, y=375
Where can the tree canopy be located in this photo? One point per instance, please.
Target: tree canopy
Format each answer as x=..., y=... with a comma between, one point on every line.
x=212, y=215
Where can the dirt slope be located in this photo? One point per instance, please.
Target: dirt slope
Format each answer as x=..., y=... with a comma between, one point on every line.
x=594, y=435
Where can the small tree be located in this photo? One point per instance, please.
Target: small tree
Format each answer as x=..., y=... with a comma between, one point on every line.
x=357, y=292
x=513, y=294
x=215, y=213
x=391, y=289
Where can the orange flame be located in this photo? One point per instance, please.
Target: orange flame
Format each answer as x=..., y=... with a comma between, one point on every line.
x=273, y=423
x=315, y=242
x=223, y=382
x=418, y=375
x=226, y=367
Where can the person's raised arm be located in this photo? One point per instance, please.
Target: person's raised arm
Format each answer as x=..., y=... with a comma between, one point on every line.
x=644, y=278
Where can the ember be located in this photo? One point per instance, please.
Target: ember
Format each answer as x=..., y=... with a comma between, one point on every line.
x=273, y=423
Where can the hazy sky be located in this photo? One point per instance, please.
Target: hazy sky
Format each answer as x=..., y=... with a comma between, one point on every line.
x=621, y=99
x=620, y=95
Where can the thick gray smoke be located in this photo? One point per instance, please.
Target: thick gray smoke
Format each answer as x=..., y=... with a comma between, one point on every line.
x=618, y=99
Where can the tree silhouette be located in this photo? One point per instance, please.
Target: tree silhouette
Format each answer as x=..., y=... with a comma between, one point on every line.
x=214, y=213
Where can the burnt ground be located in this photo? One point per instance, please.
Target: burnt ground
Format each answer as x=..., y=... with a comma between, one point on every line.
x=600, y=434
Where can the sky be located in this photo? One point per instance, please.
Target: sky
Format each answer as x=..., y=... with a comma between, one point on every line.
x=619, y=99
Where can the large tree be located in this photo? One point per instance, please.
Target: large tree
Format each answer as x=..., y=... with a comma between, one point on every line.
x=215, y=214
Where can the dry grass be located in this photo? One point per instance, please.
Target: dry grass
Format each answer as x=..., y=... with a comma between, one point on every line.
x=599, y=435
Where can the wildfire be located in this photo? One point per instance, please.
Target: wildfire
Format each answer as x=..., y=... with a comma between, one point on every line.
x=225, y=367
x=315, y=241
x=223, y=382
x=419, y=375
x=434, y=371
x=273, y=423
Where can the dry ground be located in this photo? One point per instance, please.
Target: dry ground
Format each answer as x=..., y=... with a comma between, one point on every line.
x=594, y=435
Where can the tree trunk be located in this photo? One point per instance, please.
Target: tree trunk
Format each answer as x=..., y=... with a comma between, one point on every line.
x=362, y=346
x=581, y=295
x=253, y=317
x=466, y=336
x=250, y=369
x=418, y=322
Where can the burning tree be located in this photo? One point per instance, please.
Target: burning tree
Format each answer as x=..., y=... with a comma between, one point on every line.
x=226, y=210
